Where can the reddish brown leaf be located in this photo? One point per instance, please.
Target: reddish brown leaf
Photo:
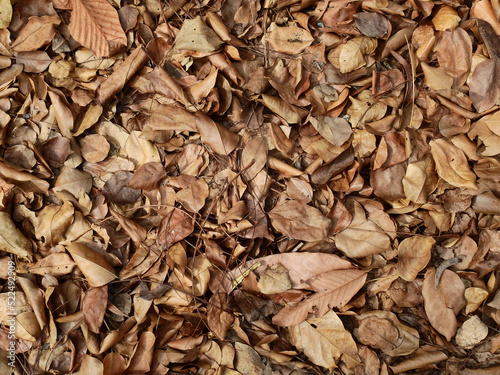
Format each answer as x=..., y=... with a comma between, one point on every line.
x=95, y=302
x=175, y=226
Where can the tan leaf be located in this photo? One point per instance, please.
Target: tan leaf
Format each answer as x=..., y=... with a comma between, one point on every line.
x=91, y=366
x=93, y=265
x=446, y=18
x=193, y=196
x=253, y=157
x=274, y=279
x=335, y=130
x=454, y=52
x=363, y=237
x=195, y=35
x=114, y=364
x=484, y=84
x=136, y=232
x=475, y=297
x=95, y=24
x=94, y=148
x=420, y=180
x=300, y=221
x=443, y=303
x=56, y=264
x=73, y=181
x=414, y=253
x=325, y=341
x=383, y=330
x=141, y=361
x=94, y=304
x=65, y=120
x=174, y=227
x=451, y=164
x=437, y=78
x=27, y=326
x=52, y=223
x=220, y=139
x=218, y=318
x=37, y=33
x=12, y=240
x=89, y=119
x=472, y=332
x=291, y=114
x=290, y=39
x=352, y=54
x=333, y=289
x=148, y=176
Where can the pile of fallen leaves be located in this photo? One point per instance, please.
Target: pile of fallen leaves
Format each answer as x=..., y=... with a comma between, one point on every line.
x=251, y=187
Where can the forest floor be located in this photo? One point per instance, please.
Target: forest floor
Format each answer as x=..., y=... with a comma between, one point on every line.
x=250, y=187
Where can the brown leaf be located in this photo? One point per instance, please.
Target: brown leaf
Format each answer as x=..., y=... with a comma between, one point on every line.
x=335, y=130
x=94, y=148
x=413, y=255
x=383, y=330
x=333, y=289
x=220, y=139
x=12, y=240
x=325, y=341
x=174, y=227
x=443, y=303
x=451, y=164
x=218, y=318
x=372, y=25
x=193, y=196
x=148, y=176
x=454, y=52
x=253, y=157
x=136, y=232
x=95, y=24
x=37, y=33
x=484, y=84
x=117, y=190
x=56, y=264
x=300, y=221
x=290, y=39
x=143, y=355
x=93, y=265
x=94, y=305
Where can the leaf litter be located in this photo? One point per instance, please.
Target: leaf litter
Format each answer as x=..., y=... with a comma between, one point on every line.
x=251, y=187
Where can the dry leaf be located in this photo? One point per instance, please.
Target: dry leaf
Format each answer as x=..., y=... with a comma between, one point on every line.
x=446, y=18
x=37, y=33
x=352, y=54
x=95, y=24
x=175, y=226
x=451, y=164
x=471, y=333
x=443, y=303
x=300, y=221
x=195, y=35
x=382, y=330
x=5, y=13
x=94, y=304
x=484, y=84
x=12, y=239
x=290, y=39
x=94, y=266
x=218, y=318
x=57, y=264
x=335, y=130
x=414, y=253
x=325, y=341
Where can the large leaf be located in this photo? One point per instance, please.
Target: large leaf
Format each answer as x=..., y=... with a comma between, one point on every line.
x=93, y=265
x=12, y=240
x=95, y=24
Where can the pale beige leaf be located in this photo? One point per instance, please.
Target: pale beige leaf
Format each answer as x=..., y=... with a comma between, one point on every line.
x=420, y=180
x=195, y=35
x=5, y=13
x=95, y=24
x=12, y=240
x=471, y=333
x=290, y=39
x=452, y=165
x=413, y=255
x=300, y=221
x=94, y=266
x=325, y=341
x=475, y=297
x=437, y=78
x=274, y=279
x=443, y=303
x=56, y=264
x=52, y=222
